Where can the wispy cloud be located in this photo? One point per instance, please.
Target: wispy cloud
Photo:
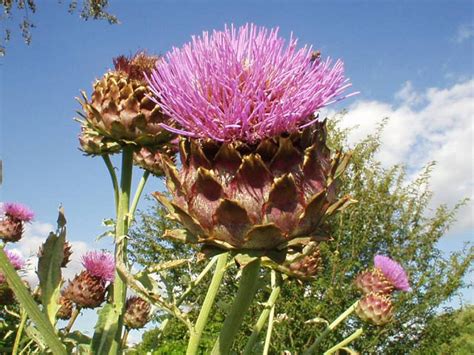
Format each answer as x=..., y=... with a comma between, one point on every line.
x=464, y=33
x=438, y=128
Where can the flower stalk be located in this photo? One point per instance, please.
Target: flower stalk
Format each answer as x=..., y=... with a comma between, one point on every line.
x=330, y=327
x=197, y=330
x=268, y=337
x=19, y=332
x=119, y=285
x=346, y=341
x=243, y=299
x=266, y=313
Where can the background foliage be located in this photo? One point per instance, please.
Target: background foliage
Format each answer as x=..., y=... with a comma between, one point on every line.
x=392, y=217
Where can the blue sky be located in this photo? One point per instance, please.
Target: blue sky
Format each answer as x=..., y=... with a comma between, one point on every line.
x=406, y=58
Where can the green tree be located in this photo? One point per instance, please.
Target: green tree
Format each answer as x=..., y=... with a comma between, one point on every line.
x=391, y=217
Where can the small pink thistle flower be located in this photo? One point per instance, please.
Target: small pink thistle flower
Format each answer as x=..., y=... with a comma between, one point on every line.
x=17, y=211
x=15, y=259
x=393, y=271
x=244, y=84
x=100, y=264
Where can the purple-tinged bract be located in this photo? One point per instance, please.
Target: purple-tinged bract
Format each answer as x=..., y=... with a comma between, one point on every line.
x=393, y=271
x=244, y=84
x=100, y=264
x=17, y=211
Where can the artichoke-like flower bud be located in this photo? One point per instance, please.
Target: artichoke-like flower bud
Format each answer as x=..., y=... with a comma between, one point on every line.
x=87, y=290
x=120, y=110
x=93, y=143
x=256, y=172
x=67, y=252
x=308, y=266
x=373, y=281
x=65, y=308
x=267, y=196
x=137, y=313
x=15, y=215
x=375, y=308
x=151, y=159
x=386, y=276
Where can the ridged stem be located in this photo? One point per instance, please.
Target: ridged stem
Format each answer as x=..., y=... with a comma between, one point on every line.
x=268, y=308
x=245, y=294
x=330, y=327
x=19, y=332
x=198, y=329
x=121, y=230
x=346, y=341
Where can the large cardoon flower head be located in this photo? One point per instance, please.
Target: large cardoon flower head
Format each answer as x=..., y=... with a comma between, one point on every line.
x=15, y=215
x=255, y=169
x=15, y=259
x=88, y=289
x=120, y=111
x=244, y=84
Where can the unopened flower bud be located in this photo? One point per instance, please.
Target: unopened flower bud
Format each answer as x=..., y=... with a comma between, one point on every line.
x=137, y=313
x=375, y=308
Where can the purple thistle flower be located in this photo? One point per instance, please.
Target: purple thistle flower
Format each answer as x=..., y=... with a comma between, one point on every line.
x=15, y=259
x=17, y=211
x=100, y=264
x=244, y=84
x=393, y=271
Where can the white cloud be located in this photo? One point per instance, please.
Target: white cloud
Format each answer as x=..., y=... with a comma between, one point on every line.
x=28, y=246
x=465, y=32
x=433, y=125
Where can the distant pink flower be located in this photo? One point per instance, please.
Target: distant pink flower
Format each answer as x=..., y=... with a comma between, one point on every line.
x=393, y=272
x=100, y=264
x=17, y=211
x=15, y=259
x=244, y=84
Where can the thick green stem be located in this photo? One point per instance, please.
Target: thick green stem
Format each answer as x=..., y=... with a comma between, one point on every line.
x=19, y=332
x=113, y=177
x=346, y=341
x=245, y=294
x=121, y=230
x=329, y=328
x=269, y=307
x=207, y=305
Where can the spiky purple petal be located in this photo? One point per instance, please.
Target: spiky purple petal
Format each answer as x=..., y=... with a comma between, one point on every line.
x=244, y=84
x=393, y=271
x=100, y=264
x=17, y=211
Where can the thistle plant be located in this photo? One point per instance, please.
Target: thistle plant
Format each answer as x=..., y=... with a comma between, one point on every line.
x=256, y=175
x=255, y=185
